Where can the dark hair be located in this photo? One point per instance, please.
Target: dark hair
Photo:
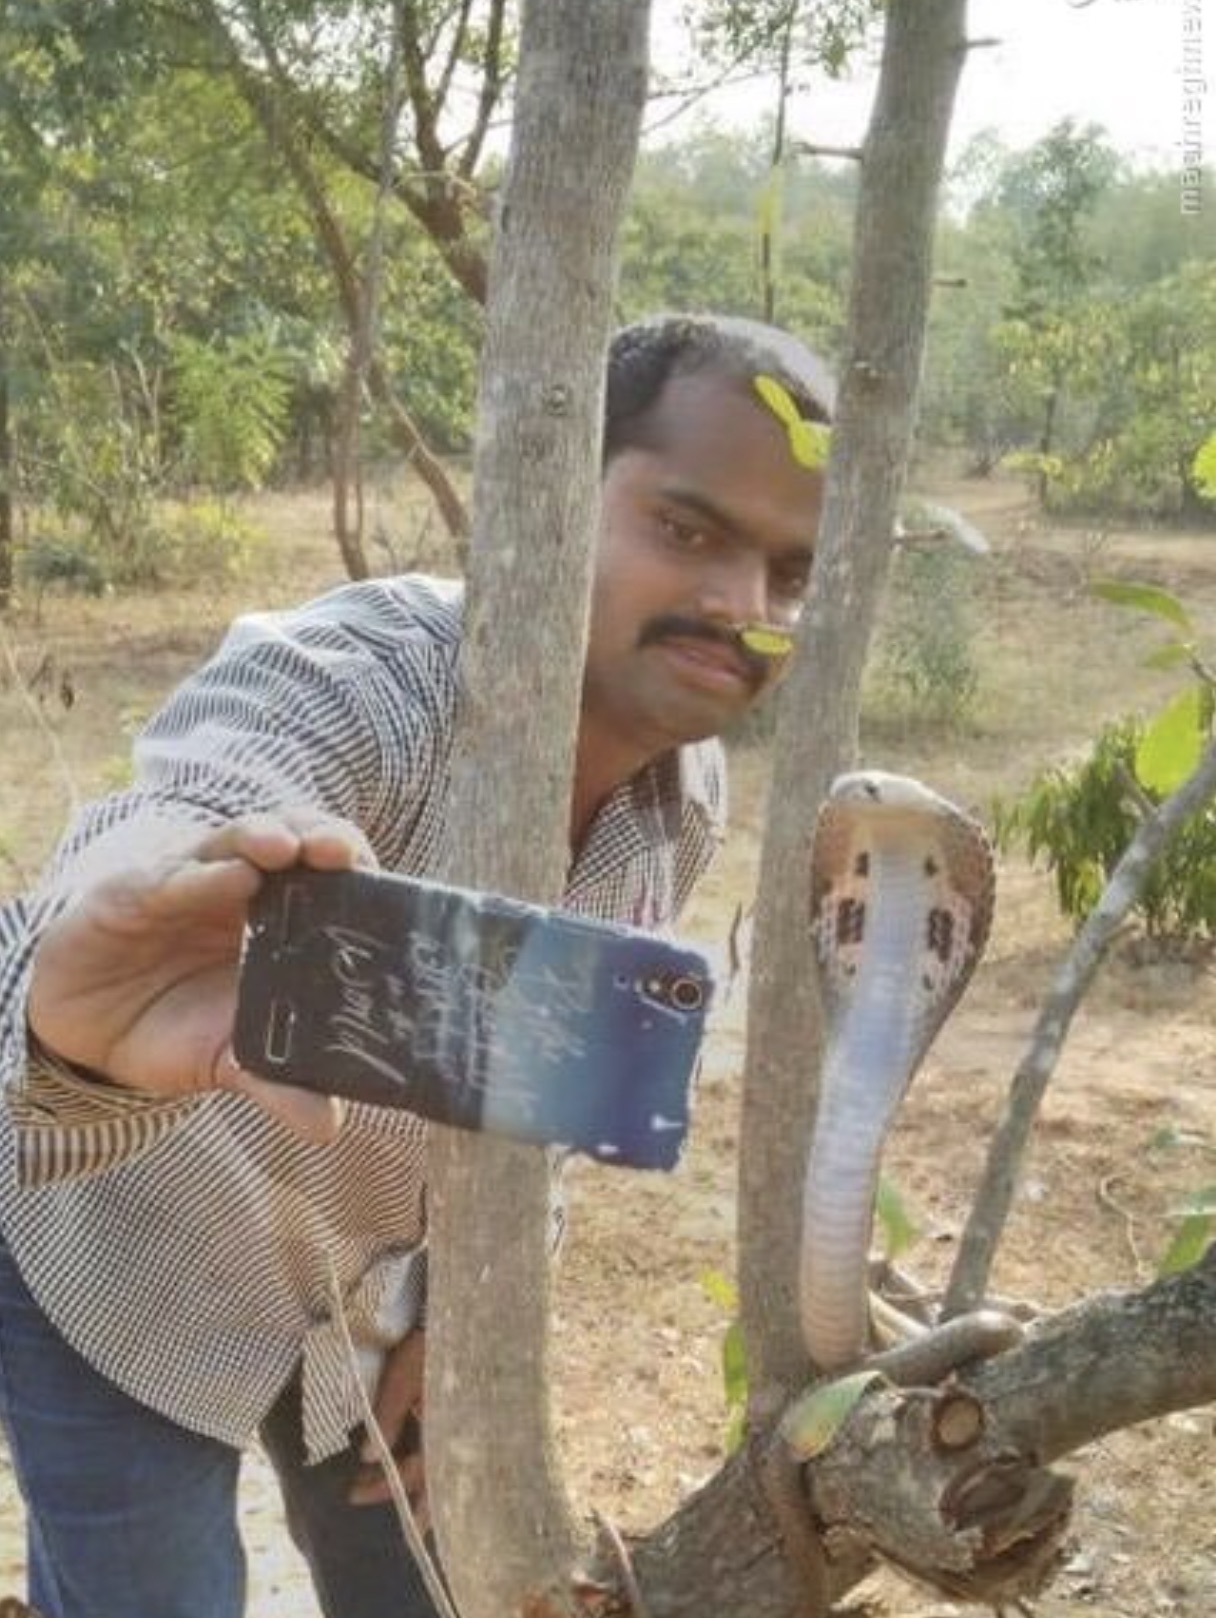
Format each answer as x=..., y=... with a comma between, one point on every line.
x=644, y=357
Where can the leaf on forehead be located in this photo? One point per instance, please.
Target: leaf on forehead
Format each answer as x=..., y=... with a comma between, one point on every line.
x=809, y=443
x=809, y=440
x=778, y=398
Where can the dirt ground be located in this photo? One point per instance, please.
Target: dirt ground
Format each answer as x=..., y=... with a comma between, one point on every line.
x=1128, y=1129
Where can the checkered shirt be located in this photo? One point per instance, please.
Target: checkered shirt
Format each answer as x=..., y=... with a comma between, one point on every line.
x=184, y=1247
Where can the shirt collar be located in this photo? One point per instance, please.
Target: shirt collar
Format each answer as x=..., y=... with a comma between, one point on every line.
x=677, y=797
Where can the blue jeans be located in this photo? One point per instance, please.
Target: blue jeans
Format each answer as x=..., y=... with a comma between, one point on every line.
x=129, y=1514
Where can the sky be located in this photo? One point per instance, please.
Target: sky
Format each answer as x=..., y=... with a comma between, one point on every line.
x=1118, y=63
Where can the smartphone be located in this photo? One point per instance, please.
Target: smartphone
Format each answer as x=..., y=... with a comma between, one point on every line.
x=474, y=1010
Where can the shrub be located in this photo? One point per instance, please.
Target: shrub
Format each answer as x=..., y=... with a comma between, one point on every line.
x=204, y=541
x=925, y=659
x=71, y=566
x=1080, y=818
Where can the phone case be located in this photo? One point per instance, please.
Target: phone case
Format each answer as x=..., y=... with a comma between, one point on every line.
x=473, y=1010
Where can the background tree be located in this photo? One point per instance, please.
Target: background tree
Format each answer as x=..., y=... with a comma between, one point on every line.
x=1048, y=195
x=1063, y=348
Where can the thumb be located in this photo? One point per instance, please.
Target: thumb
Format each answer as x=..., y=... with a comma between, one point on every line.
x=314, y=1117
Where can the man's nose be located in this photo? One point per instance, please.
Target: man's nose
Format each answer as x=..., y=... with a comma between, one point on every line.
x=735, y=591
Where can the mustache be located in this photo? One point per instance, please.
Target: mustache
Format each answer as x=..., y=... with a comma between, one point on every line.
x=671, y=626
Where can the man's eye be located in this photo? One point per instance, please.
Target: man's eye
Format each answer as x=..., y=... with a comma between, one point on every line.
x=792, y=581
x=683, y=536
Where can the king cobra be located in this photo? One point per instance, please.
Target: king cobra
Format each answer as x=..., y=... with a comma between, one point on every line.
x=901, y=903
x=902, y=889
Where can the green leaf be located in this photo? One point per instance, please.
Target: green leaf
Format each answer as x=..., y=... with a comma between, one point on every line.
x=1203, y=468
x=1170, y=656
x=771, y=194
x=1145, y=598
x=898, y=1231
x=720, y=1289
x=1171, y=747
x=1189, y=1245
x=810, y=1425
x=734, y=1366
x=1166, y=1138
x=1202, y=1203
x=736, y=1429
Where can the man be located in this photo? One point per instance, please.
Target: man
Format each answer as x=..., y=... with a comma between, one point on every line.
x=178, y=1237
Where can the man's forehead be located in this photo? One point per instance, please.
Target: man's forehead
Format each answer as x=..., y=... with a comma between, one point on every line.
x=715, y=433
x=704, y=404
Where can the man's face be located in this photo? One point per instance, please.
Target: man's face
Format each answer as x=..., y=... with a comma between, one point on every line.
x=711, y=527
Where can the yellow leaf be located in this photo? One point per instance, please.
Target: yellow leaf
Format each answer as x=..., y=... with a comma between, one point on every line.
x=767, y=640
x=809, y=443
x=777, y=397
x=809, y=440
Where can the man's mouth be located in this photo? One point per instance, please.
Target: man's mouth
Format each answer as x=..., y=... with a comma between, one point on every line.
x=710, y=664
x=706, y=656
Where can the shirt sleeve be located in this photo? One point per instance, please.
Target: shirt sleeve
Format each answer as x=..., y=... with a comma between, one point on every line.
x=289, y=712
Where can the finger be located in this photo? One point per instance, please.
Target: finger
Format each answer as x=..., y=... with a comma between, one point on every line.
x=290, y=836
x=398, y=1394
x=371, y=1487
x=315, y=1118
x=188, y=889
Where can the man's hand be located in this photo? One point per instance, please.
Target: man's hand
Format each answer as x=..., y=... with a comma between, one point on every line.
x=398, y=1411
x=138, y=981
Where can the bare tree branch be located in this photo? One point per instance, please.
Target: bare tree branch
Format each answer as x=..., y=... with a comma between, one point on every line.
x=993, y=1200
x=1106, y=1363
x=493, y=79
x=815, y=149
x=460, y=29
x=423, y=103
x=347, y=475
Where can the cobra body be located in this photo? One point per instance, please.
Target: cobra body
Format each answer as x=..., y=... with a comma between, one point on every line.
x=901, y=896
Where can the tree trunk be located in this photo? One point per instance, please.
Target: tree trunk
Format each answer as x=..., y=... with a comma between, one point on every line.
x=7, y=469
x=504, y=1527
x=817, y=730
x=347, y=468
x=1047, y=438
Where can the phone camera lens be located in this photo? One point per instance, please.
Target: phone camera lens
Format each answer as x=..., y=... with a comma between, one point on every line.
x=686, y=994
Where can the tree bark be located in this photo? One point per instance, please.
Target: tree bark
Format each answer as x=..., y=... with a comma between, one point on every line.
x=504, y=1526
x=817, y=728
